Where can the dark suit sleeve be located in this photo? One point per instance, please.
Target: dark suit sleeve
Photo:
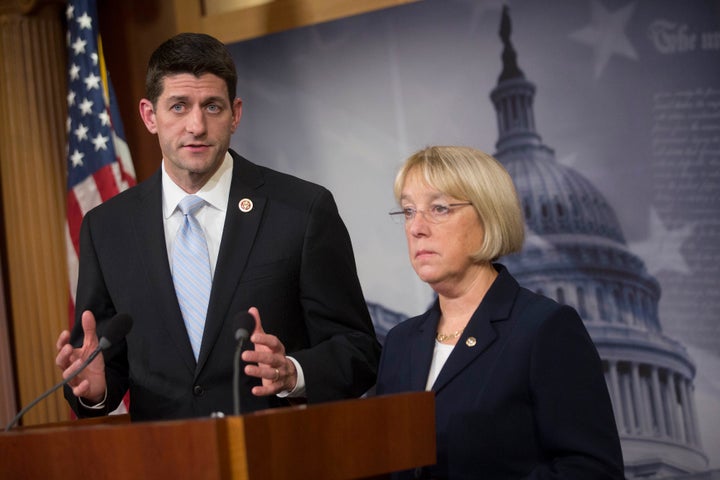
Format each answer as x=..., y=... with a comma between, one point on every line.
x=574, y=417
x=343, y=358
x=92, y=295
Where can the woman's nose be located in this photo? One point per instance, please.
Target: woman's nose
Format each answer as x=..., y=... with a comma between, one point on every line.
x=418, y=224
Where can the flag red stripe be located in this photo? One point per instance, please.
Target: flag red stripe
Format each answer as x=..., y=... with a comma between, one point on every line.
x=106, y=183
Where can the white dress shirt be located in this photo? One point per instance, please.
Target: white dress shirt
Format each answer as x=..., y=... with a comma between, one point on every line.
x=210, y=216
x=440, y=355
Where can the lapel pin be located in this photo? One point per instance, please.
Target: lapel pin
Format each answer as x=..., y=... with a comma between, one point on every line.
x=470, y=342
x=245, y=205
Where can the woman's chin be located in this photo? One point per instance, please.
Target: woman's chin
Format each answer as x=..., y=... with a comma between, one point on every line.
x=428, y=275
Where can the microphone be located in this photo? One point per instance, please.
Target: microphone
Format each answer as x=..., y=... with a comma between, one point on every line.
x=116, y=329
x=245, y=324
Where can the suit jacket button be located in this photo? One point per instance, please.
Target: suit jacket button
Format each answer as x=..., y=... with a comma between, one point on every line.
x=198, y=390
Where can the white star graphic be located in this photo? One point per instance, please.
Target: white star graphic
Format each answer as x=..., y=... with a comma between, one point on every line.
x=104, y=117
x=100, y=142
x=70, y=11
x=661, y=249
x=94, y=57
x=79, y=46
x=86, y=107
x=81, y=132
x=74, y=72
x=71, y=98
x=606, y=34
x=77, y=158
x=85, y=21
x=569, y=160
x=91, y=81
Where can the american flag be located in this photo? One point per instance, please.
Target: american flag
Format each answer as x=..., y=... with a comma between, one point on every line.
x=98, y=160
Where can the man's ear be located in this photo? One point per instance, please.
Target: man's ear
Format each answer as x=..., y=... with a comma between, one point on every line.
x=237, y=114
x=147, y=113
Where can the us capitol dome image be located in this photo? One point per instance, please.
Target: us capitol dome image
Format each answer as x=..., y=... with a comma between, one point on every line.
x=575, y=252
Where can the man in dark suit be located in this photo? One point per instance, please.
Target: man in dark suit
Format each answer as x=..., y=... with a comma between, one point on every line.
x=275, y=246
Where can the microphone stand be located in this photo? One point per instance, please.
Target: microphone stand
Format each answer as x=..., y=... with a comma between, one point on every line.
x=118, y=327
x=236, y=375
x=82, y=367
x=244, y=322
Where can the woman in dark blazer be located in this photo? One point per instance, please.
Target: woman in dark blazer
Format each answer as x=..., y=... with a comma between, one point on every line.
x=519, y=387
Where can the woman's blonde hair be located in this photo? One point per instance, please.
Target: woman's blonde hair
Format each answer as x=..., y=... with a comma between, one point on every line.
x=470, y=174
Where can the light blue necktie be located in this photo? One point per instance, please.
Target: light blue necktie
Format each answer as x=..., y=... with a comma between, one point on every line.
x=191, y=271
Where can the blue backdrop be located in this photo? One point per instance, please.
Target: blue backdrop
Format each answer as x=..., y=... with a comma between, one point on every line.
x=628, y=96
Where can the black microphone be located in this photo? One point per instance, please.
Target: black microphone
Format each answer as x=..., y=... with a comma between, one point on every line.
x=117, y=328
x=245, y=324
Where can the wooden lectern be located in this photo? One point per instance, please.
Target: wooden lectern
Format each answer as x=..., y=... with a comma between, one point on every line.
x=365, y=438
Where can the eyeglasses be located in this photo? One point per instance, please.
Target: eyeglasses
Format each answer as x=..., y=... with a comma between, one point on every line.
x=437, y=213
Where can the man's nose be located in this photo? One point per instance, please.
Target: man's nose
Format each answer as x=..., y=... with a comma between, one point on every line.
x=196, y=122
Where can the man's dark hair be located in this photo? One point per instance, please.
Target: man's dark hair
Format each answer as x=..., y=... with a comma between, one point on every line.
x=195, y=53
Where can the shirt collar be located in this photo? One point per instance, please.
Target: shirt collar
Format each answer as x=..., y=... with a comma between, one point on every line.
x=215, y=192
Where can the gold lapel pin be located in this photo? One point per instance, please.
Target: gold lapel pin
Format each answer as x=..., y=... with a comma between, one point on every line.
x=470, y=342
x=245, y=205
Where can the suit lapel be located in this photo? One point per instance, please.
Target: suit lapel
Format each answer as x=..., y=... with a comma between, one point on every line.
x=422, y=345
x=151, y=247
x=477, y=337
x=480, y=332
x=239, y=232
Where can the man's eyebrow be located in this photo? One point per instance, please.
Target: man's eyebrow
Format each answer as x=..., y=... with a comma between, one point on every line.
x=214, y=99
x=184, y=98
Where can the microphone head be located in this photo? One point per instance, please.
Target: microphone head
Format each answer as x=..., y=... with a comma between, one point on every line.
x=115, y=330
x=244, y=325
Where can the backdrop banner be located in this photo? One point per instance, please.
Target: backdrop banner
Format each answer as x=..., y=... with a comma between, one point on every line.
x=622, y=99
